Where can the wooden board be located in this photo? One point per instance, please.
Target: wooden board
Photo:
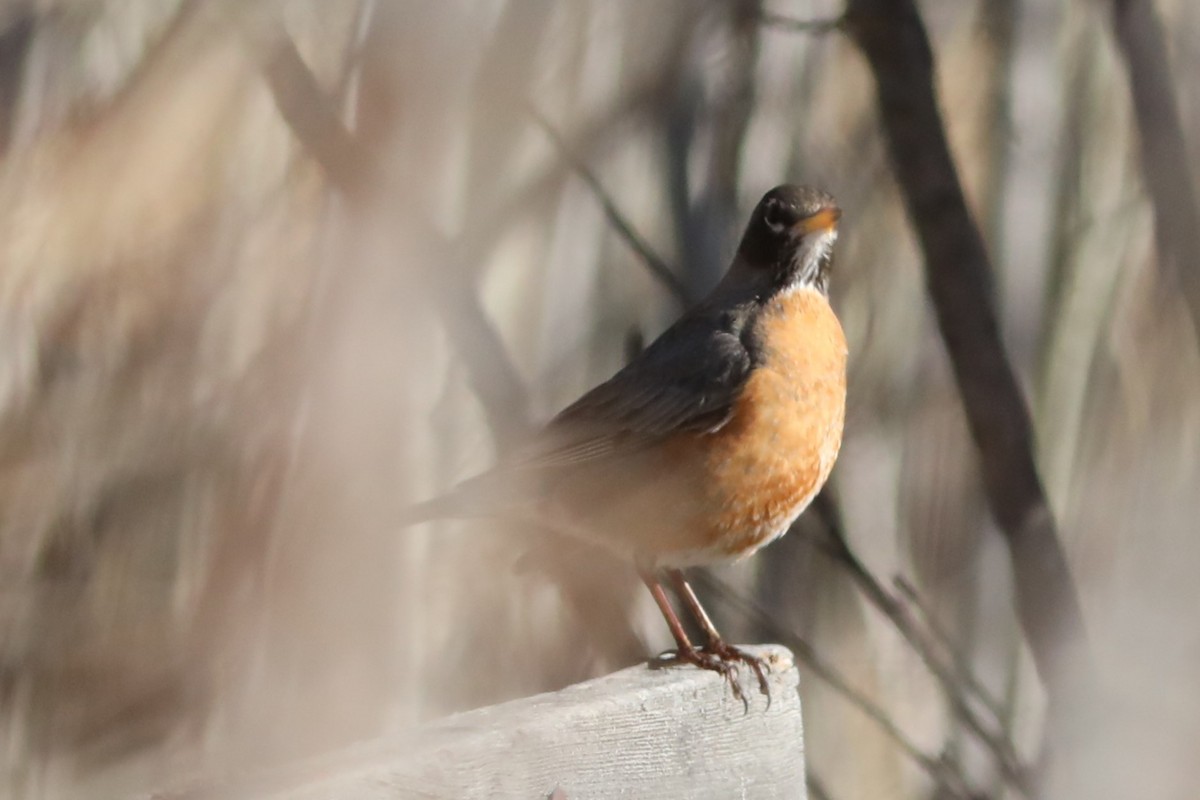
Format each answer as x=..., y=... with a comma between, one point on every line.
x=675, y=732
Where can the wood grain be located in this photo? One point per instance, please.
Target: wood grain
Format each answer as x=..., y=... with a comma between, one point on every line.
x=675, y=732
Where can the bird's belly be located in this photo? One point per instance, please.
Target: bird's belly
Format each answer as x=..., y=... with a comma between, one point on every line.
x=764, y=476
x=710, y=498
x=772, y=458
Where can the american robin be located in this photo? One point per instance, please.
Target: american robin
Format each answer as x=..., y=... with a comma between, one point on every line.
x=712, y=441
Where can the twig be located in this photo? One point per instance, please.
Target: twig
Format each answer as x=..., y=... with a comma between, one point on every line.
x=838, y=548
x=538, y=188
x=657, y=266
x=946, y=774
x=963, y=672
x=959, y=277
x=783, y=22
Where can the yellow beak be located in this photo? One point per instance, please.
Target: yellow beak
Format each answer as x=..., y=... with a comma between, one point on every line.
x=824, y=220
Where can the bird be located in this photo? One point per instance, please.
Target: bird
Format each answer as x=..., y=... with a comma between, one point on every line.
x=711, y=442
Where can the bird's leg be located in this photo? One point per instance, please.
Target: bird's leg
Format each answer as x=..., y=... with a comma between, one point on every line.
x=685, y=651
x=682, y=642
x=716, y=645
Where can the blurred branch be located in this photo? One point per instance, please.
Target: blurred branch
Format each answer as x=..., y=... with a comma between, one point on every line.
x=783, y=22
x=951, y=682
x=947, y=774
x=15, y=40
x=679, y=121
x=544, y=185
x=1169, y=179
x=352, y=54
x=959, y=278
x=507, y=72
x=313, y=120
x=816, y=787
x=490, y=369
x=354, y=168
x=493, y=375
x=729, y=106
x=963, y=673
x=996, y=34
x=704, y=117
x=1073, y=321
x=657, y=266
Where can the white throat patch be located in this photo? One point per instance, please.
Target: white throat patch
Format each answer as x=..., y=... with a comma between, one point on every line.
x=812, y=252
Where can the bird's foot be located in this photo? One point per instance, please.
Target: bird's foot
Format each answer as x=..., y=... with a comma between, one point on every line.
x=723, y=659
x=705, y=660
x=730, y=656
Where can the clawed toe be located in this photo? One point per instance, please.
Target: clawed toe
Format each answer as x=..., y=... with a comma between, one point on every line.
x=713, y=662
x=716, y=656
x=730, y=655
x=724, y=659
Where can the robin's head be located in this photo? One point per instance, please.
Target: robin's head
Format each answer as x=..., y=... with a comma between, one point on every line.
x=791, y=235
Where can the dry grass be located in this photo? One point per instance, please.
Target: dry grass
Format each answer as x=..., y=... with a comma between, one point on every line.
x=221, y=380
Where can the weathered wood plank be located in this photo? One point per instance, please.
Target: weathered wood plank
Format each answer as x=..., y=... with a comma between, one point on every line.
x=676, y=732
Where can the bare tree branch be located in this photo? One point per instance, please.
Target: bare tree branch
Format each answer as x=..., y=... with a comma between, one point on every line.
x=311, y=117
x=947, y=774
x=713, y=106
x=15, y=39
x=959, y=278
x=962, y=670
x=539, y=188
x=490, y=369
x=657, y=266
x=1169, y=179
x=997, y=743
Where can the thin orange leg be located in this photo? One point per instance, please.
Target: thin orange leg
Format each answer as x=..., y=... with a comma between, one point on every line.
x=682, y=642
x=685, y=651
x=716, y=645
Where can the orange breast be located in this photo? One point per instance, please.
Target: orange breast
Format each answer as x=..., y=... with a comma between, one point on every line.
x=765, y=466
x=703, y=499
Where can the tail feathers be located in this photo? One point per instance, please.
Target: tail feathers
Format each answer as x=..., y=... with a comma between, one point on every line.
x=481, y=496
x=444, y=507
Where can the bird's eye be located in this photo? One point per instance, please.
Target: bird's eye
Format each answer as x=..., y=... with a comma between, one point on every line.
x=774, y=215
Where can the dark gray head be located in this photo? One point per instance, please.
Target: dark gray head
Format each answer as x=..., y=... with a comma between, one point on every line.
x=790, y=236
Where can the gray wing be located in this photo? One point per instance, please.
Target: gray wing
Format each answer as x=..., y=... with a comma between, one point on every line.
x=685, y=381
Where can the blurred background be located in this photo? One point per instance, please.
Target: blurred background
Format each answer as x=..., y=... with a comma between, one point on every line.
x=271, y=271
